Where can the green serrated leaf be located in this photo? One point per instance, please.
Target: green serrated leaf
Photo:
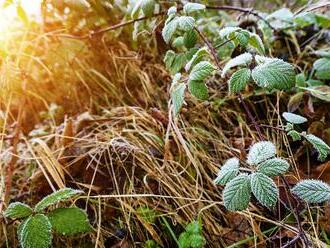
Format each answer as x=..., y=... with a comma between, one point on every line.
x=169, y=29
x=294, y=135
x=322, y=148
x=294, y=118
x=264, y=189
x=177, y=97
x=198, y=89
x=69, y=221
x=189, y=8
x=190, y=38
x=321, y=92
x=273, y=167
x=312, y=191
x=178, y=42
x=148, y=7
x=169, y=58
x=186, y=23
x=241, y=37
x=228, y=171
x=136, y=9
x=237, y=193
x=260, y=152
x=17, y=210
x=35, y=232
x=197, y=57
x=240, y=60
x=225, y=32
x=274, y=74
x=57, y=196
x=239, y=80
x=256, y=42
x=172, y=10
x=201, y=71
x=322, y=68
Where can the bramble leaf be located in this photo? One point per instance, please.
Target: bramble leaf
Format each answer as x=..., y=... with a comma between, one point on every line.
x=177, y=97
x=274, y=74
x=294, y=135
x=273, y=167
x=57, y=196
x=322, y=68
x=260, y=152
x=148, y=7
x=198, y=89
x=312, y=191
x=35, y=232
x=256, y=42
x=322, y=148
x=69, y=221
x=237, y=193
x=294, y=118
x=197, y=57
x=17, y=210
x=228, y=171
x=190, y=38
x=243, y=59
x=264, y=189
x=189, y=8
x=186, y=23
x=169, y=29
x=239, y=80
x=201, y=71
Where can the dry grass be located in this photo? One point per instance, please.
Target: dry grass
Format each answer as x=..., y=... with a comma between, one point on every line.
x=113, y=136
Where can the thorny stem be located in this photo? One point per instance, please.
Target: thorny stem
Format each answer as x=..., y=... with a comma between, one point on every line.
x=247, y=11
x=301, y=234
x=215, y=56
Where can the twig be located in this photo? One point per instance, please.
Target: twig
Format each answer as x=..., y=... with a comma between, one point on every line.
x=291, y=242
x=247, y=110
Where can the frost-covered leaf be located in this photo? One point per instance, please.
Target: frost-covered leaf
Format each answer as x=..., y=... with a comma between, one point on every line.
x=322, y=68
x=256, y=42
x=57, y=196
x=274, y=74
x=178, y=42
x=313, y=191
x=35, y=232
x=169, y=58
x=190, y=38
x=243, y=59
x=294, y=135
x=171, y=10
x=201, y=71
x=228, y=171
x=321, y=92
x=69, y=221
x=239, y=80
x=260, y=152
x=197, y=57
x=189, y=8
x=17, y=210
x=237, y=193
x=186, y=23
x=322, y=148
x=169, y=29
x=264, y=189
x=225, y=32
x=294, y=118
x=136, y=9
x=273, y=167
x=148, y=7
x=198, y=89
x=177, y=97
